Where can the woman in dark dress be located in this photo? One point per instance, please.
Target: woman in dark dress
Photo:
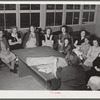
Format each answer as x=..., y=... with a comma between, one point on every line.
x=14, y=39
x=67, y=46
x=48, y=38
x=81, y=38
x=64, y=34
x=72, y=76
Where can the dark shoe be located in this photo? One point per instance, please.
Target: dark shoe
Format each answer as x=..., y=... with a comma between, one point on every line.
x=16, y=66
x=13, y=70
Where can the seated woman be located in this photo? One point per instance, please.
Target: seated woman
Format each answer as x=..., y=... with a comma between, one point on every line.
x=14, y=39
x=5, y=55
x=82, y=50
x=72, y=76
x=30, y=38
x=67, y=46
x=64, y=34
x=92, y=53
x=48, y=38
x=81, y=38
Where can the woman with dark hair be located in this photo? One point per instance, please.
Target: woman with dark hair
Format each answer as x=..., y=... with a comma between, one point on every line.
x=48, y=38
x=67, y=46
x=72, y=76
x=92, y=53
x=83, y=49
x=81, y=38
x=30, y=40
x=14, y=39
x=64, y=34
x=6, y=56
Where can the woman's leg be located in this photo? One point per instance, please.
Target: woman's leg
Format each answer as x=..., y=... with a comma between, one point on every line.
x=12, y=64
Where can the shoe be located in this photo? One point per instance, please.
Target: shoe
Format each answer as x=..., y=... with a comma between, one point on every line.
x=16, y=66
x=13, y=70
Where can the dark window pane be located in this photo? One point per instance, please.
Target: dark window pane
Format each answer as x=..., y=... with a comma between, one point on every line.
x=10, y=7
x=85, y=16
x=59, y=7
x=69, y=17
x=50, y=19
x=91, y=19
x=50, y=7
x=77, y=7
x=86, y=7
x=24, y=20
x=10, y=20
x=93, y=6
x=76, y=18
x=58, y=18
x=1, y=6
x=35, y=7
x=24, y=6
x=35, y=19
x=69, y=7
x=1, y=21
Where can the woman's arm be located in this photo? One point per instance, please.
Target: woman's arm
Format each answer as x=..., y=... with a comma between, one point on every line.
x=12, y=43
x=59, y=42
x=75, y=44
x=89, y=52
x=97, y=69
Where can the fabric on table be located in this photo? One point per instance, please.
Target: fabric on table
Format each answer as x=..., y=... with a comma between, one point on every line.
x=46, y=64
x=94, y=83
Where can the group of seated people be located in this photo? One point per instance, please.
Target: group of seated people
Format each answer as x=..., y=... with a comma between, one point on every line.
x=78, y=54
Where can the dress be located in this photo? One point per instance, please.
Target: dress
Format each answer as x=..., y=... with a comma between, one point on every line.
x=13, y=39
x=84, y=48
x=72, y=77
x=61, y=38
x=31, y=42
x=48, y=41
x=67, y=48
x=91, y=56
x=5, y=56
x=80, y=41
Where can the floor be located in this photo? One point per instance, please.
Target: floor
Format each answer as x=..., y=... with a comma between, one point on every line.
x=11, y=81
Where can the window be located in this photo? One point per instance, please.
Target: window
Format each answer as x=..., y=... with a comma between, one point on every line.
x=10, y=19
x=10, y=7
x=29, y=15
x=35, y=19
x=1, y=21
x=1, y=7
x=72, y=14
x=58, y=18
x=24, y=7
x=50, y=19
x=88, y=13
x=7, y=15
x=54, y=14
x=25, y=20
x=35, y=7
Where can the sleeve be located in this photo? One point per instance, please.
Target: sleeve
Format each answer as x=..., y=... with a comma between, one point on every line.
x=9, y=36
x=67, y=49
x=89, y=52
x=19, y=34
x=59, y=72
x=59, y=36
x=6, y=42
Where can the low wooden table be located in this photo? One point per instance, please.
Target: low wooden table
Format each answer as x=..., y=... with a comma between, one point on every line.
x=25, y=70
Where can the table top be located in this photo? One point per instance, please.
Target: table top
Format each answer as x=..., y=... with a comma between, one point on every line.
x=38, y=52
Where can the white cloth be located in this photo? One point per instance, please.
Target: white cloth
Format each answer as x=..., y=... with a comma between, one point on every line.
x=94, y=82
x=31, y=43
x=47, y=64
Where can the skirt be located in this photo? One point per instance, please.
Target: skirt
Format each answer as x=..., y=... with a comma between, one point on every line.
x=7, y=58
